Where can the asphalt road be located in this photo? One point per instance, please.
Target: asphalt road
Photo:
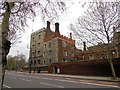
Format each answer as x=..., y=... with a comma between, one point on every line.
x=18, y=80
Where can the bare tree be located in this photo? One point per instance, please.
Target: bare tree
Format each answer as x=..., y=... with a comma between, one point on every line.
x=14, y=16
x=20, y=12
x=97, y=24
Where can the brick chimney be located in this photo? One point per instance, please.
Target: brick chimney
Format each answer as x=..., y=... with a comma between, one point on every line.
x=84, y=44
x=57, y=32
x=114, y=30
x=57, y=27
x=48, y=25
x=70, y=35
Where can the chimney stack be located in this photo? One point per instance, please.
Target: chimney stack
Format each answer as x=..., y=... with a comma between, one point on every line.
x=84, y=44
x=114, y=29
x=70, y=35
x=57, y=27
x=48, y=25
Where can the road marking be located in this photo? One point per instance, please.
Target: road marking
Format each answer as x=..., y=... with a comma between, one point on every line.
x=47, y=78
x=88, y=83
x=41, y=78
x=36, y=77
x=66, y=81
x=17, y=75
x=100, y=85
x=51, y=85
x=27, y=80
x=6, y=86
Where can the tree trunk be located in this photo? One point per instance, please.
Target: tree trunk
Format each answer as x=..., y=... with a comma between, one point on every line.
x=112, y=69
x=5, y=43
x=0, y=62
x=111, y=62
x=0, y=58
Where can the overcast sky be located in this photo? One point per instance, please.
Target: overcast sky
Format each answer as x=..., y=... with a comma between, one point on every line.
x=74, y=12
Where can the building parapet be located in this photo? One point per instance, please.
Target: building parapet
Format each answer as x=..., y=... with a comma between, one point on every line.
x=60, y=36
x=38, y=31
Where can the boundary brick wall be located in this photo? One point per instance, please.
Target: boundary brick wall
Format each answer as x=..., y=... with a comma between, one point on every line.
x=87, y=68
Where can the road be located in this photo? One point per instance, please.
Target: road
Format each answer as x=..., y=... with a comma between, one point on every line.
x=19, y=80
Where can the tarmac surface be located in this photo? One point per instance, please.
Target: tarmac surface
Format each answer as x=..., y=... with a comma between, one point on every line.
x=87, y=79
x=15, y=79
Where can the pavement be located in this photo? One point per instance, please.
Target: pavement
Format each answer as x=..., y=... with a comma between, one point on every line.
x=85, y=77
x=97, y=78
x=82, y=79
x=23, y=80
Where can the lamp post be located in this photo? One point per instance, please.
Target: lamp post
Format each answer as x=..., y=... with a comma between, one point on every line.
x=35, y=57
x=17, y=61
x=30, y=59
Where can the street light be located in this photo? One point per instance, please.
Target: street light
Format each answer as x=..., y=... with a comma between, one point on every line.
x=35, y=57
x=17, y=60
x=30, y=59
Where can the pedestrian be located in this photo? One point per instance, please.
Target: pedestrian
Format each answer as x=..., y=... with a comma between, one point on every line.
x=58, y=70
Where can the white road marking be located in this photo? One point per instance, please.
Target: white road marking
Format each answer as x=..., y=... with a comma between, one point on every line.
x=41, y=78
x=27, y=80
x=6, y=86
x=17, y=75
x=22, y=72
x=51, y=85
x=100, y=84
x=47, y=78
x=88, y=83
x=66, y=80
x=36, y=77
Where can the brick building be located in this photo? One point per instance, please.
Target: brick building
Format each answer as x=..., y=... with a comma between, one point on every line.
x=48, y=47
x=100, y=51
x=93, y=61
x=116, y=42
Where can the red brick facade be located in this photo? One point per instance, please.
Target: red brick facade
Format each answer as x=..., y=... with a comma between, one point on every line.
x=63, y=54
x=66, y=46
x=88, y=68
